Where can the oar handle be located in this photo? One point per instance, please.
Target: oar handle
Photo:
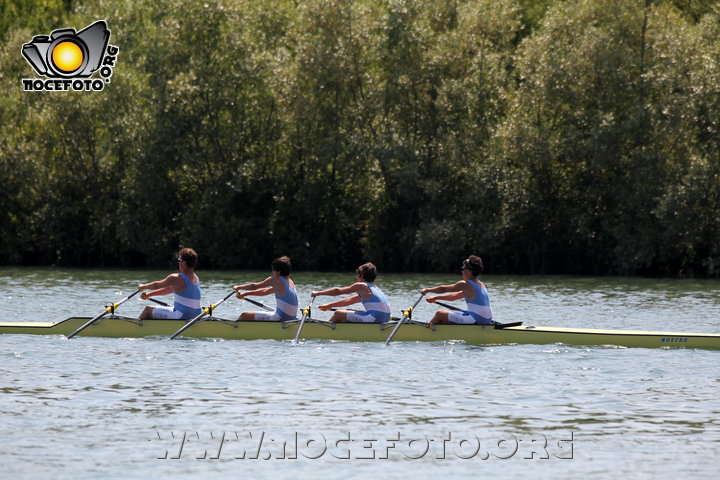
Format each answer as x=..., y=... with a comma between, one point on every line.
x=406, y=315
x=108, y=309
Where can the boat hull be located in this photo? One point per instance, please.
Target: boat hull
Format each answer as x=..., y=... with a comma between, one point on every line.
x=121, y=327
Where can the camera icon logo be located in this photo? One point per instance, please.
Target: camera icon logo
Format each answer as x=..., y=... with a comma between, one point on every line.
x=66, y=53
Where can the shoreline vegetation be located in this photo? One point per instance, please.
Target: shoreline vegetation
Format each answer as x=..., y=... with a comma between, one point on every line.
x=546, y=136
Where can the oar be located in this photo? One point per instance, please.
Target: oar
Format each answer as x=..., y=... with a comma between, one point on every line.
x=451, y=307
x=333, y=309
x=406, y=315
x=159, y=302
x=500, y=326
x=497, y=325
x=259, y=304
x=205, y=311
x=305, y=316
x=108, y=309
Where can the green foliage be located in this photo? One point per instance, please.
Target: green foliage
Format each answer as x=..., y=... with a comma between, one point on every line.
x=605, y=114
x=405, y=132
x=38, y=16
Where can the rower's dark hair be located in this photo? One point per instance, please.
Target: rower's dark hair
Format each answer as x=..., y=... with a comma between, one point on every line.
x=189, y=256
x=282, y=265
x=475, y=264
x=368, y=272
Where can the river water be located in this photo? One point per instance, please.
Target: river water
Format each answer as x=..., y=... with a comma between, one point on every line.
x=150, y=408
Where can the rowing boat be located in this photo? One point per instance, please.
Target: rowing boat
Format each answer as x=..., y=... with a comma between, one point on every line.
x=124, y=327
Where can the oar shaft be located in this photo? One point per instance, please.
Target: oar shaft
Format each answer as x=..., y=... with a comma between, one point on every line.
x=258, y=304
x=206, y=311
x=87, y=324
x=447, y=305
x=109, y=309
x=405, y=316
x=333, y=309
x=159, y=302
x=392, y=334
x=305, y=316
x=188, y=325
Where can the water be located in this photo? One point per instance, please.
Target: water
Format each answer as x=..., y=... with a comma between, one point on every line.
x=126, y=408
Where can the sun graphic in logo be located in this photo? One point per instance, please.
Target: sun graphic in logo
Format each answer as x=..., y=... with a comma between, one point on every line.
x=67, y=56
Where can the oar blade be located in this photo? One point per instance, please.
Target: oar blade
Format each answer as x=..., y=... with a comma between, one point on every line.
x=500, y=326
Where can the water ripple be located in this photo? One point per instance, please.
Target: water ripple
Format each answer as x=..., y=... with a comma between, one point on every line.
x=108, y=408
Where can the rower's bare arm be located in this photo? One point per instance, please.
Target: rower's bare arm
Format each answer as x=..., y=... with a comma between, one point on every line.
x=456, y=287
x=449, y=296
x=259, y=292
x=254, y=286
x=343, y=302
x=334, y=292
x=169, y=282
x=157, y=293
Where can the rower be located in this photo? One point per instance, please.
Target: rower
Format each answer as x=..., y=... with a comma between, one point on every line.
x=185, y=285
x=278, y=283
x=473, y=290
x=377, y=308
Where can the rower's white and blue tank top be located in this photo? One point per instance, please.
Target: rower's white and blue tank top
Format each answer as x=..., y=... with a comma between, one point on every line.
x=479, y=307
x=377, y=305
x=287, y=305
x=188, y=302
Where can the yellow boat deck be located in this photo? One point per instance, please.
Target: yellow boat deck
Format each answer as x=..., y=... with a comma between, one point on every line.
x=122, y=327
